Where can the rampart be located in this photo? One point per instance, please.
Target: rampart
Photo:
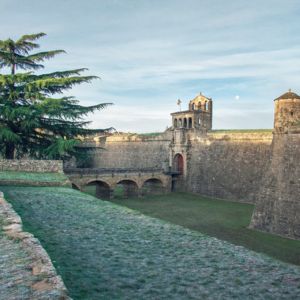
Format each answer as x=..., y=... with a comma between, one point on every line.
x=241, y=166
x=40, y=166
x=127, y=151
x=278, y=204
x=228, y=165
x=225, y=165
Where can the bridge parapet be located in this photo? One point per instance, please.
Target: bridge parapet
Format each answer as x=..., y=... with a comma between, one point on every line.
x=89, y=171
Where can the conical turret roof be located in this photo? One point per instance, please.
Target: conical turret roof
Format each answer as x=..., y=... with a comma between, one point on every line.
x=288, y=95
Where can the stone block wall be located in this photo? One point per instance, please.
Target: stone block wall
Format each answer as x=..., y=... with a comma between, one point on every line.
x=224, y=165
x=278, y=203
x=33, y=277
x=43, y=166
x=128, y=151
x=229, y=166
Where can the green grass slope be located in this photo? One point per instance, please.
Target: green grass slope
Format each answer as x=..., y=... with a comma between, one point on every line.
x=222, y=219
x=106, y=251
x=241, y=131
x=32, y=178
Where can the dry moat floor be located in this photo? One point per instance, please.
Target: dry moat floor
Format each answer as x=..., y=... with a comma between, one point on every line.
x=107, y=251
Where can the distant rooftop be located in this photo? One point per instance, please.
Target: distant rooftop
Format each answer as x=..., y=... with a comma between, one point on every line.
x=200, y=97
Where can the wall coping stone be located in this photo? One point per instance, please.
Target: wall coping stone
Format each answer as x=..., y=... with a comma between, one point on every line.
x=47, y=284
x=27, y=165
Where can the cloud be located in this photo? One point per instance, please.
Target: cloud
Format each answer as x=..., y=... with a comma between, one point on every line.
x=141, y=118
x=150, y=53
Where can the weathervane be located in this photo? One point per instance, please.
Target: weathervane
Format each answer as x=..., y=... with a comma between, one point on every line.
x=179, y=104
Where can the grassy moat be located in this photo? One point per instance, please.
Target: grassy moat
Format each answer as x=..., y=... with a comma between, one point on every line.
x=107, y=251
x=218, y=218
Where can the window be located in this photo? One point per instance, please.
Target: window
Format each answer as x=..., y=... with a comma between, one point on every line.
x=185, y=123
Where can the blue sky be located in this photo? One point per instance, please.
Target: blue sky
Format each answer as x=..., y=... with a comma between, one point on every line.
x=150, y=53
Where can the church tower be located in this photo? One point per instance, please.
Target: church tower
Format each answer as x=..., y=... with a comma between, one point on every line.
x=186, y=125
x=197, y=117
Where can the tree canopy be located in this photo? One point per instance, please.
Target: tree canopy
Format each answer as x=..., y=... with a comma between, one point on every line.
x=35, y=118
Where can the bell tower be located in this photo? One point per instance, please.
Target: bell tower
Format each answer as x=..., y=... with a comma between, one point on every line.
x=197, y=117
x=186, y=125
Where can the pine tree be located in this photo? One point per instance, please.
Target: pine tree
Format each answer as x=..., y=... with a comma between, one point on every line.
x=33, y=120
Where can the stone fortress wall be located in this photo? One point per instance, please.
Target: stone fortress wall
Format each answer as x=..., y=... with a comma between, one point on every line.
x=277, y=207
x=127, y=151
x=228, y=165
x=225, y=165
x=278, y=199
x=241, y=166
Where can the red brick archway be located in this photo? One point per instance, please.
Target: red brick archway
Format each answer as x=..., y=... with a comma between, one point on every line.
x=178, y=163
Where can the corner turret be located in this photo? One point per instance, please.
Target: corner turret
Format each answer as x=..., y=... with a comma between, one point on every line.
x=287, y=113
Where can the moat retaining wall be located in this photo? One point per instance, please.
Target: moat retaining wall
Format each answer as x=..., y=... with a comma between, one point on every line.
x=229, y=166
x=278, y=205
x=39, y=166
x=33, y=278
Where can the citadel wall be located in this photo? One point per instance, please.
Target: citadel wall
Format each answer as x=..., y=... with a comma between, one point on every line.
x=254, y=167
x=277, y=208
x=278, y=204
x=228, y=165
x=127, y=151
x=225, y=165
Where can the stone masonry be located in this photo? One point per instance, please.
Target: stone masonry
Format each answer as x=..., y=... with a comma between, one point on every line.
x=241, y=166
x=26, y=271
x=278, y=203
x=43, y=166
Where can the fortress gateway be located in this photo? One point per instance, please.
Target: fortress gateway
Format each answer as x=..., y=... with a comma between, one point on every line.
x=261, y=167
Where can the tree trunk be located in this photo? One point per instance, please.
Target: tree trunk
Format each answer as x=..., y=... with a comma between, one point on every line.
x=10, y=151
x=13, y=69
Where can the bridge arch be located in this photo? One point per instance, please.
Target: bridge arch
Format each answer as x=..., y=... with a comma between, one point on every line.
x=126, y=188
x=101, y=189
x=75, y=186
x=153, y=186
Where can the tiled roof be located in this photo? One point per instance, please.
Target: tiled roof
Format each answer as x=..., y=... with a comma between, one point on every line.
x=289, y=95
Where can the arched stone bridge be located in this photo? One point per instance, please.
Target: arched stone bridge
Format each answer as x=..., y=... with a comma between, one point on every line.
x=135, y=182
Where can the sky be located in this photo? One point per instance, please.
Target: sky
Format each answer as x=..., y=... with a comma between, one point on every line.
x=149, y=53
